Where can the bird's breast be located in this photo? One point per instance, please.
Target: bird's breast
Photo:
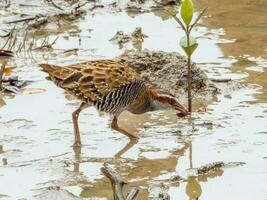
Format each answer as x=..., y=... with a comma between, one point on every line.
x=119, y=100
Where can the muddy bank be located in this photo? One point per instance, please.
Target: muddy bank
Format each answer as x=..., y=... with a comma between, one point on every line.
x=136, y=6
x=165, y=70
x=136, y=37
x=55, y=13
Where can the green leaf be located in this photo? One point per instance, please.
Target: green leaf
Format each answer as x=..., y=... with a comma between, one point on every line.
x=189, y=49
x=187, y=11
x=198, y=18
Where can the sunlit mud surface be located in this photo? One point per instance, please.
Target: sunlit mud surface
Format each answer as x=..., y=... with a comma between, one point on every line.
x=36, y=158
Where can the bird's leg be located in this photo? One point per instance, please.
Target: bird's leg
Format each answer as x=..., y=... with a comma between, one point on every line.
x=128, y=146
x=75, y=116
x=77, y=154
x=114, y=125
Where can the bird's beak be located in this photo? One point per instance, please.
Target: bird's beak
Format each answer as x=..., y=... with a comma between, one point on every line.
x=182, y=110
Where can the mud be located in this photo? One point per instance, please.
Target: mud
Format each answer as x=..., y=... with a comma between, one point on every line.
x=141, y=6
x=215, y=166
x=136, y=37
x=37, y=18
x=166, y=70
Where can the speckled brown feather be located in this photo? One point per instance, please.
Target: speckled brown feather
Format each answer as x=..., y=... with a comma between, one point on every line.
x=90, y=81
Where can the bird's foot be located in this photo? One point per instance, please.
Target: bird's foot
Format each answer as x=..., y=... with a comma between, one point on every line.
x=133, y=137
x=76, y=144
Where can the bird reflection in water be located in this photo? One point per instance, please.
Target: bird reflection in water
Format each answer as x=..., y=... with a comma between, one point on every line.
x=144, y=170
x=118, y=155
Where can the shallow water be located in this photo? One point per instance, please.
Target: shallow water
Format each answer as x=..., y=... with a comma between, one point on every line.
x=36, y=128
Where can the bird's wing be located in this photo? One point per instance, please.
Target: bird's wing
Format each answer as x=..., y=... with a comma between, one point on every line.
x=92, y=79
x=56, y=72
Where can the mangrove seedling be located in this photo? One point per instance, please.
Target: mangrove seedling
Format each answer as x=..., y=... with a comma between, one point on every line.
x=187, y=42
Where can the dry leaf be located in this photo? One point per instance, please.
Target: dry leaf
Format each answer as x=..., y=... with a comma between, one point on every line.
x=8, y=69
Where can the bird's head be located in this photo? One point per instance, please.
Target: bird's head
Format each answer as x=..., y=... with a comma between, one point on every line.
x=164, y=100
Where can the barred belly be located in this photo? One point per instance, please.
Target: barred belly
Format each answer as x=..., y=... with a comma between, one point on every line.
x=117, y=101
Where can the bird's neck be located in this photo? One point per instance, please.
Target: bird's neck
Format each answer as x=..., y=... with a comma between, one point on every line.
x=142, y=104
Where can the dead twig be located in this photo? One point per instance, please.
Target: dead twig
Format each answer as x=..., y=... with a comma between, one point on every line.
x=96, y=6
x=9, y=37
x=226, y=80
x=24, y=19
x=117, y=184
x=26, y=44
x=6, y=35
x=45, y=44
x=79, y=5
x=55, y=5
x=133, y=193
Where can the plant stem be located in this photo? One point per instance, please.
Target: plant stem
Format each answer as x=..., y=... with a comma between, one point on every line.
x=189, y=98
x=189, y=81
x=190, y=155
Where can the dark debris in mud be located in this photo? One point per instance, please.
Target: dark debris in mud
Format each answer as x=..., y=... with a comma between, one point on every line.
x=9, y=83
x=210, y=167
x=210, y=170
x=13, y=84
x=121, y=38
x=165, y=70
x=216, y=165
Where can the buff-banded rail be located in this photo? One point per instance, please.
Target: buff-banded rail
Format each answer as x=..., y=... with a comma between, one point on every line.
x=111, y=87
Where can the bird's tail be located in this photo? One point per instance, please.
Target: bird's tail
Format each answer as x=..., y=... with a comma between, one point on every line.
x=52, y=71
x=48, y=68
x=56, y=73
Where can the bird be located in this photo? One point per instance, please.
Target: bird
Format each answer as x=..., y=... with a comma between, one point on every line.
x=111, y=87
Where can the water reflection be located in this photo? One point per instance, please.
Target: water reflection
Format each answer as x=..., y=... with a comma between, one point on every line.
x=193, y=188
x=126, y=148
x=118, y=155
x=137, y=173
x=142, y=172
